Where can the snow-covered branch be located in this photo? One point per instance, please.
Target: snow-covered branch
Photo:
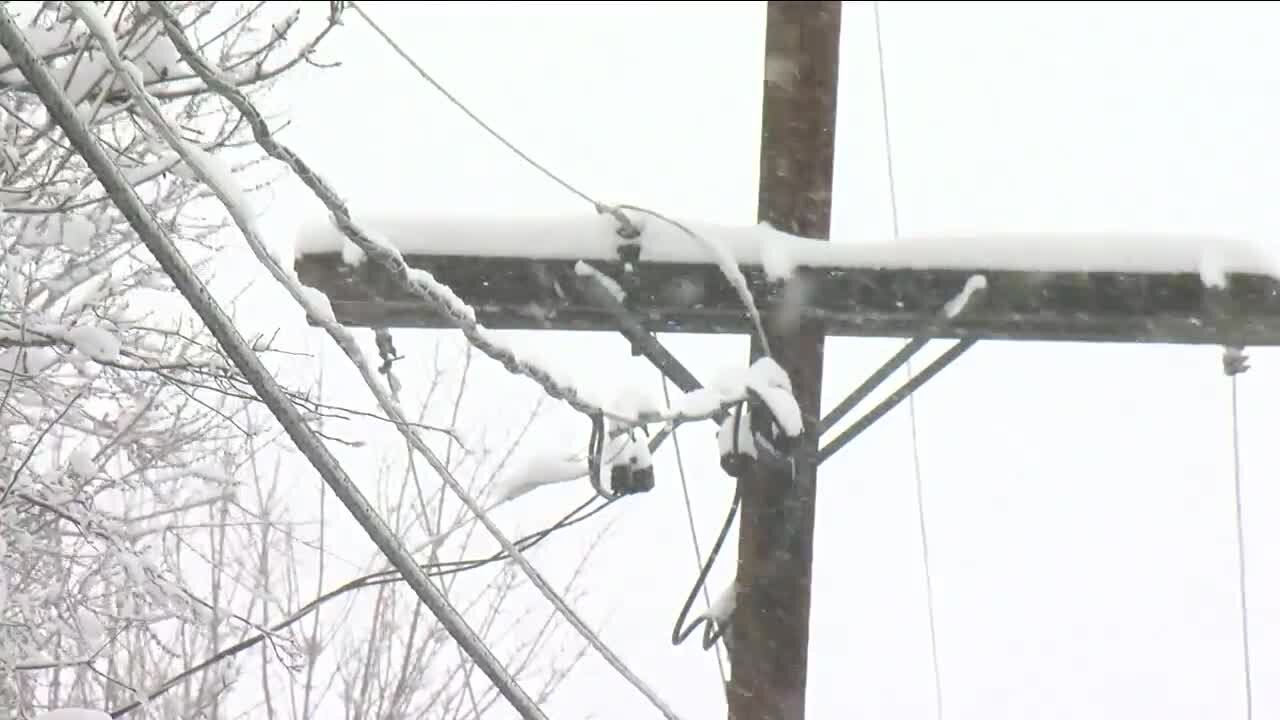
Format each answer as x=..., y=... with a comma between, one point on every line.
x=123, y=195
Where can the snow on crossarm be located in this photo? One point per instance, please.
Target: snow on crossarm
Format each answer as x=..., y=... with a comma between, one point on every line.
x=594, y=238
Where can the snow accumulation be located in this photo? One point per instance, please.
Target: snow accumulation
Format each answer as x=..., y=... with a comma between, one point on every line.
x=593, y=238
x=956, y=305
x=541, y=469
x=724, y=604
x=767, y=378
x=318, y=305
x=97, y=22
x=95, y=342
x=152, y=51
x=75, y=232
x=587, y=270
x=44, y=41
x=73, y=714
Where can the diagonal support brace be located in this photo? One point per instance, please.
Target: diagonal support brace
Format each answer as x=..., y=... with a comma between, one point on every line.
x=893, y=400
x=869, y=385
x=969, y=296
x=591, y=289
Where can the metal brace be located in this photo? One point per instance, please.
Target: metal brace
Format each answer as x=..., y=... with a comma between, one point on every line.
x=971, y=298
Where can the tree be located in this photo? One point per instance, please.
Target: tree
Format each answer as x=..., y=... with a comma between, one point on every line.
x=117, y=424
x=137, y=526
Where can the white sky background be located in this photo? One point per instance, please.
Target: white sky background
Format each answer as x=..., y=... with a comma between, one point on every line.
x=1079, y=497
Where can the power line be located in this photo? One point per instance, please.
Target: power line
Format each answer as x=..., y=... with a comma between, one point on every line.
x=1234, y=363
x=467, y=111
x=713, y=629
x=626, y=227
x=911, y=399
x=693, y=527
x=600, y=207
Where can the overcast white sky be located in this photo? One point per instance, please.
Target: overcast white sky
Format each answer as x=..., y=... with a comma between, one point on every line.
x=1079, y=497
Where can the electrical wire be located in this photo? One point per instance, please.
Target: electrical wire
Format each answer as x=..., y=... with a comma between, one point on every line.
x=693, y=528
x=710, y=634
x=911, y=400
x=627, y=227
x=600, y=207
x=1244, y=602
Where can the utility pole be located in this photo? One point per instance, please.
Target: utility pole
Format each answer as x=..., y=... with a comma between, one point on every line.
x=770, y=631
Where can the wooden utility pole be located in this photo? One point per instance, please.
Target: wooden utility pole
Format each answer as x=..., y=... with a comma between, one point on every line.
x=770, y=631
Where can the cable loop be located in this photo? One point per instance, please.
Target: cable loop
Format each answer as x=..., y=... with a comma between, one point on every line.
x=595, y=456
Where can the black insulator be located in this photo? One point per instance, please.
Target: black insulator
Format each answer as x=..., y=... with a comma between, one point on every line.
x=643, y=480
x=629, y=253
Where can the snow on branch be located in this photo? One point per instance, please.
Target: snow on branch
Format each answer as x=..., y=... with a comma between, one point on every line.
x=72, y=713
x=438, y=293
x=116, y=422
x=63, y=112
x=143, y=42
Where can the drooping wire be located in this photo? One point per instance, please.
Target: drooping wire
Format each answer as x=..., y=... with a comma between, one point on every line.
x=595, y=455
x=911, y=400
x=1234, y=364
x=693, y=527
x=711, y=632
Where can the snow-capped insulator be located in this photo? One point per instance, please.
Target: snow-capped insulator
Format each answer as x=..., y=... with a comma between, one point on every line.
x=768, y=435
x=630, y=465
x=737, y=451
x=741, y=445
x=632, y=470
x=764, y=428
